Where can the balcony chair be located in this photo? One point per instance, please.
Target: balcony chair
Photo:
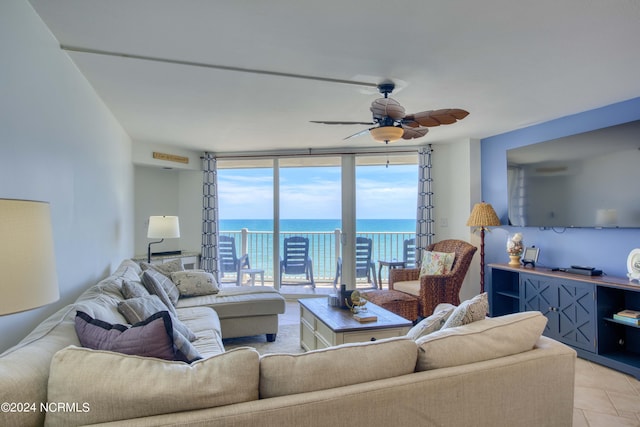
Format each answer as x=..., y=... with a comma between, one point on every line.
x=365, y=267
x=296, y=261
x=230, y=263
x=409, y=253
x=433, y=290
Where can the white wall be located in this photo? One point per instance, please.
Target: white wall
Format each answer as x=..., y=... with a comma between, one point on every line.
x=168, y=192
x=165, y=187
x=456, y=187
x=59, y=143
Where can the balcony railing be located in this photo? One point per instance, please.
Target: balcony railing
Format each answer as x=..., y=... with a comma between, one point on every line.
x=324, y=249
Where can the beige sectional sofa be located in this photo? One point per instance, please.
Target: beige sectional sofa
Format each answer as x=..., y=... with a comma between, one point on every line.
x=492, y=372
x=24, y=368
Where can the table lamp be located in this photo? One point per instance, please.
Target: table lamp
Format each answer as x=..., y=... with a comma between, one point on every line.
x=162, y=227
x=27, y=258
x=482, y=216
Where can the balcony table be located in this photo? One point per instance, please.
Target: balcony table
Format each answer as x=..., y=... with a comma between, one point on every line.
x=391, y=264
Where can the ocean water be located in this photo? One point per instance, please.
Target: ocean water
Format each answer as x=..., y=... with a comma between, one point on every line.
x=314, y=225
x=387, y=235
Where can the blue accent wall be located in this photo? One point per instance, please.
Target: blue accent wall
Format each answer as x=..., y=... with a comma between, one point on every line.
x=606, y=249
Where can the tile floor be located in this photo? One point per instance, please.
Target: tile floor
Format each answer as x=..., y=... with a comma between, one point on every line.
x=603, y=397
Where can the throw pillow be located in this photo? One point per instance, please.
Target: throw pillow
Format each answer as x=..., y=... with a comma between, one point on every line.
x=167, y=268
x=469, y=311
x=432, y=323
x=185, y=351
x=486, y=339
x=436, y=263
x=157, y=340
x=138, y=309
x=133, y=289
x=121, y=387
x=151, y=338
x=195, y=283
x=159, y=284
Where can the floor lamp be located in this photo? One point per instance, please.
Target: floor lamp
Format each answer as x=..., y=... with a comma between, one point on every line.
x=482, y=216
x=27, y=259
x=162, y=227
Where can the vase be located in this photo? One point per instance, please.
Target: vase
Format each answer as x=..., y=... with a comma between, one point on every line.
x=514, y=259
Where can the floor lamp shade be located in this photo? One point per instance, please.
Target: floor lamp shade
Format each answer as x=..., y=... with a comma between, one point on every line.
x=482, y=217
x=27, y=258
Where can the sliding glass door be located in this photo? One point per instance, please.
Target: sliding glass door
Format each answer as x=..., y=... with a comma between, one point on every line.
x=264, y=201
x=310, y=215
x=246, y=218
x=386, y=189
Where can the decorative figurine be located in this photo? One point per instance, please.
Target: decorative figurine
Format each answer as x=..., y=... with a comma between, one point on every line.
x=515, y=248
x=357, y=302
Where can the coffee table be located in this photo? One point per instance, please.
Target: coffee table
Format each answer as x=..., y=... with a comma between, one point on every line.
x=322, y=325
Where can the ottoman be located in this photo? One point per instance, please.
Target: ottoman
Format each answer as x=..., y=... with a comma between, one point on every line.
x=397, y=302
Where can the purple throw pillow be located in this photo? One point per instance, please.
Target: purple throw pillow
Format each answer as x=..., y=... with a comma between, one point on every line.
x=152, y=337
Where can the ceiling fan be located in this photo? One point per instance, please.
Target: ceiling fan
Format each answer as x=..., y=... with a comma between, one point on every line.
x=392, y=123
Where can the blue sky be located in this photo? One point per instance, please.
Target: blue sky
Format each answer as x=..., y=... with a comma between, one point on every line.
x=314, y=192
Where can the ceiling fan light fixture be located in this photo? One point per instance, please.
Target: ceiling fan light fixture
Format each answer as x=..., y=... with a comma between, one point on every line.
x=387, y=133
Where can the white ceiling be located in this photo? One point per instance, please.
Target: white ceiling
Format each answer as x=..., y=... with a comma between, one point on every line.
x=510, y=63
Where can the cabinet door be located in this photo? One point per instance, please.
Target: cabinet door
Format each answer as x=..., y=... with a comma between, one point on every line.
x=540, y=294
x=576, y=314
x=568, y=305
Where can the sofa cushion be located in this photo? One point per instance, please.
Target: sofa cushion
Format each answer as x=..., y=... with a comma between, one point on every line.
x=436, y=263
x=239, y=302
x=133, y=289
x=486, y=339
x=137, y=309
x=122, y=386
x=432, y=323
x=152, y=337
x=195, y=283
x=469, y=311
x=411, y=287
x=161, y=285
x=286, y=374
x=205, y=324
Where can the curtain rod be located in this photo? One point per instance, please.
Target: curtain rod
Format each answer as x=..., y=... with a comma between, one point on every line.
x=311, y=153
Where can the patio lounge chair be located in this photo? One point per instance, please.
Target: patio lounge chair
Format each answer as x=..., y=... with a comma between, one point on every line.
x=365, y=267
x=230, y=263
x=296, y=261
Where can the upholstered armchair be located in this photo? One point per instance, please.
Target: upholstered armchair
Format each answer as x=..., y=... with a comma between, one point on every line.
x=433, y=290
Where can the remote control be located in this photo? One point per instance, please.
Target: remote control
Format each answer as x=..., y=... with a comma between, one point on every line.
x=582, y=267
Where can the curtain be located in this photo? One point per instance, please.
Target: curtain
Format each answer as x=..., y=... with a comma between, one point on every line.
x=424, y=217
x=209, y=257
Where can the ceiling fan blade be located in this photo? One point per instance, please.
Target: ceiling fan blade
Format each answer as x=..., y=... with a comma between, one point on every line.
x=414, y=132
x=362, y=132
x=324, y=122
x=433, y=118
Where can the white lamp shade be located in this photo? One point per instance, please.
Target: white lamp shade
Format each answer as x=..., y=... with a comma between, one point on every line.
x=163, y=227
x=27, y=258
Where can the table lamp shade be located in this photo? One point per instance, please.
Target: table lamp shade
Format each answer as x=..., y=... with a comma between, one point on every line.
x=27, y=258
x=163, y=227
x=483, y=215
